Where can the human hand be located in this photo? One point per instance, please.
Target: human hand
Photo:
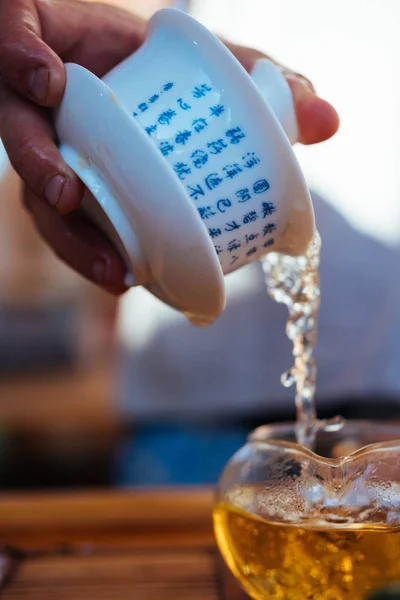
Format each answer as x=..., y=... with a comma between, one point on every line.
x=36, y=38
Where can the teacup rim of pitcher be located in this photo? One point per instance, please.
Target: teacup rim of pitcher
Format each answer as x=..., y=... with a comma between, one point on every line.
x=258, y=437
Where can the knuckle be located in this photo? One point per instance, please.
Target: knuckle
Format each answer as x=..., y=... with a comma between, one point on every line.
x=22, y=153
x=25, y=160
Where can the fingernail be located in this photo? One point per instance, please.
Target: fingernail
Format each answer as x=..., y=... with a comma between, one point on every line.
x=99, y=270
x=54, y=189
x=299, y=84
x=39, y=83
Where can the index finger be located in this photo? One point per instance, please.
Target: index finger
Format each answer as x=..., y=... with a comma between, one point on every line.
x=27, y=64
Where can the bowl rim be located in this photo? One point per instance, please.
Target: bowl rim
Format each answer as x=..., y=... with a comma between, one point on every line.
x=259, y=438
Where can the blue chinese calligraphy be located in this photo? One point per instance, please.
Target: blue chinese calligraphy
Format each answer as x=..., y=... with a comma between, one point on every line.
x=243, y=195
x=251, y=237
x=250, y=160
x=269, y=228
x=217, y=146
x=217, y=110
x=233, y=245
x=182, y=170
x=199, y=158
x=166, y=148
x=213, y=180
x=206, y=212
x=267, y=209
x=166, y=116
x=199, y=124
x=151, y=129
x=250, y=217
x=235, y=135
x=223, y=204
x=183, y=105
x=144, y=105
x=260, y=186
x=232, y=170
x=183, y=136
x=195, y=192
x=206, y=163
x=214, y=232
x=201, y=90
x=231, y=226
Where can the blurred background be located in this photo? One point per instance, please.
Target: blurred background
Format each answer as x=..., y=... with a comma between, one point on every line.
x=87, y=395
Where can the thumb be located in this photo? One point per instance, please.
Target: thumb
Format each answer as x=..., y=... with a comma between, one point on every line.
x=317, y=119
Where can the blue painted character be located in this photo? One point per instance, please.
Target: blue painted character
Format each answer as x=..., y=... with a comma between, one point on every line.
x=268, y=208
x=153, y=98
x=213, y=180
x=166, y=148
x=233, y=245
x=218, y=250
x=250, y=160
x=234, y=258
x=143, y=107
x=214, y=232
x=150, y=129
x=217, y=146
x=199, y=125
x=232, y=170
x=269, y=242
x=182, y=170
x=223, y=204
x=168, y=86
x=252, y=251
x=231, y=226
x=260, y=186
x=206, y=212
x=251, y=237
x=201, y=90
x=217, y=110
x=269, y=228
x=199, y=158
x=183, y=105
x=235, y=135
x=183, y=136
x=196, y=191
x=166, y=116
x=243, y=195
x=250, y=217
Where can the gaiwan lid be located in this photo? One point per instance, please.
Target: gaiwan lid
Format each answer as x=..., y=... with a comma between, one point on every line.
x=135, y=195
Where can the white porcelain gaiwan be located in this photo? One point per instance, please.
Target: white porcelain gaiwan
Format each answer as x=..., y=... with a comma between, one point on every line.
x=188, y=169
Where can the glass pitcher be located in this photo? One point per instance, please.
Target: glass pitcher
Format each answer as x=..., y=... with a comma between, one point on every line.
x=294, y=524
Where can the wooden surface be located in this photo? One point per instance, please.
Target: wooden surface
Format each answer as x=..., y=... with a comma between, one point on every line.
x=55, y=402
x=112, y=546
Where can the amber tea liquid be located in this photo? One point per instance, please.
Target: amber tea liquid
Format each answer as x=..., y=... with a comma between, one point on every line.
x=287, y=562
